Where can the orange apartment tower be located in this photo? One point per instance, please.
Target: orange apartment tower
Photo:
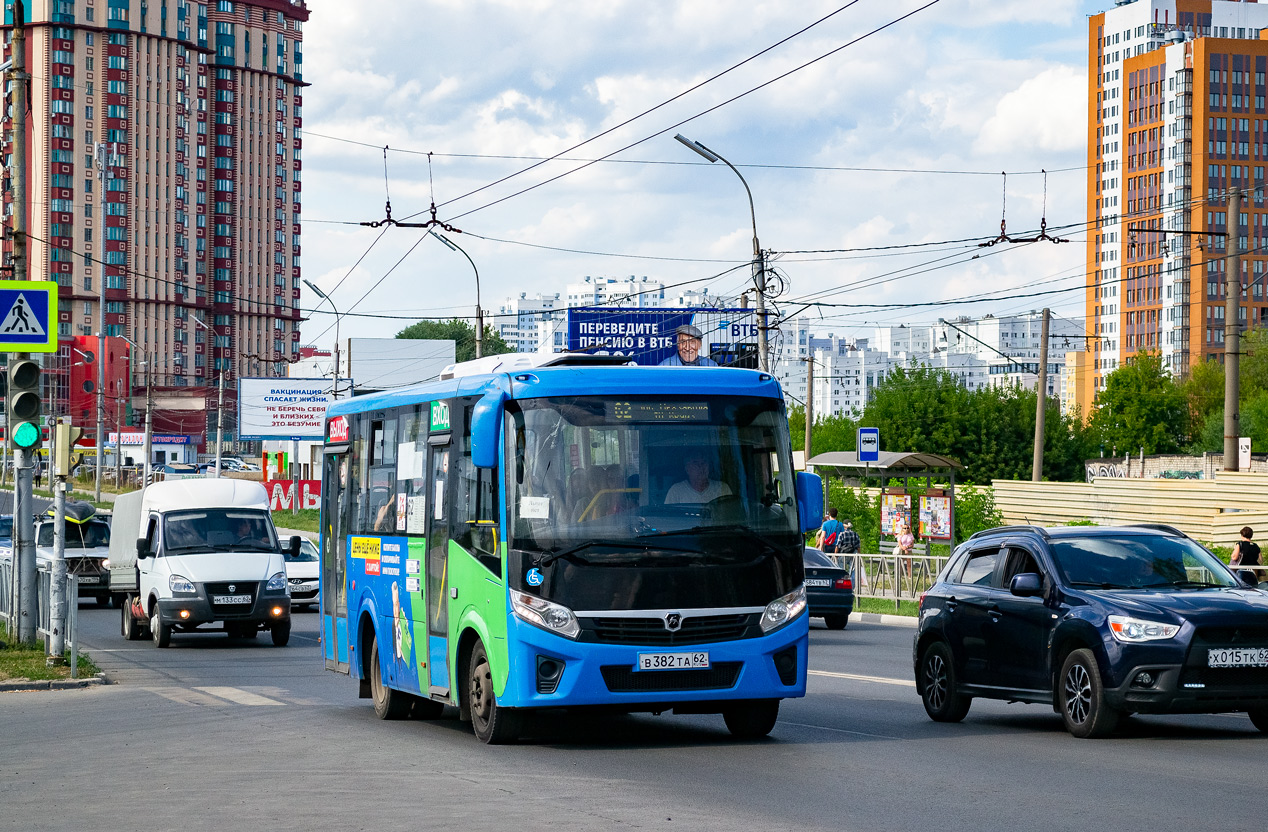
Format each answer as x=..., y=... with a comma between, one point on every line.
x=163, y=174
x=1176, y=118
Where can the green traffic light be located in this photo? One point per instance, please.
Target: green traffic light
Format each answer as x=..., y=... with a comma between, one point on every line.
x=26, y=435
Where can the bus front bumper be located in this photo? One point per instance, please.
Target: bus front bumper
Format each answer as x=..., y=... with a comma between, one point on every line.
x=550, y=671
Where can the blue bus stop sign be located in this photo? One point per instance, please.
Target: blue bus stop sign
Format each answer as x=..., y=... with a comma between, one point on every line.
x=28, y=316
x=869, y=444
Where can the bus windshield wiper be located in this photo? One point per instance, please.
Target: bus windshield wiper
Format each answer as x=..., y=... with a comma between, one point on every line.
x=570, y=552
x=726, y=527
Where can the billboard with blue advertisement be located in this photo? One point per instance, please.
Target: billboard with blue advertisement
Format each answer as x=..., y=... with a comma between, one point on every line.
x=649, y=336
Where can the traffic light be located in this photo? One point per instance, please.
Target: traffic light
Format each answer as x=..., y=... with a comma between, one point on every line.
x=66, y=458
x=24, y=404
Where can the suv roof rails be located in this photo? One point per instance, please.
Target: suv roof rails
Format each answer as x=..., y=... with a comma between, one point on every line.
x=1039, y=530
x=1161, y=527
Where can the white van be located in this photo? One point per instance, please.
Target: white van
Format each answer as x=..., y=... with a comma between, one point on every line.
x=195, y=552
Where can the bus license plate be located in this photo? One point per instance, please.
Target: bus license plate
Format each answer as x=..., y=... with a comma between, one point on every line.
x=1237, y=657
x=673, y=661
x=231, y=599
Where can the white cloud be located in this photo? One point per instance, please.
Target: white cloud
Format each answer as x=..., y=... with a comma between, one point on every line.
x=1047, y=111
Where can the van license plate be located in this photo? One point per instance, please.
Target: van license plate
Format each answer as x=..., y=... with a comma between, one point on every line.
x=231, y=599
x=1237, y=657
x=673, y=661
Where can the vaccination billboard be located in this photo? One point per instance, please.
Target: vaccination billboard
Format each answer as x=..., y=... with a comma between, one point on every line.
x=283, y=408
x=649, y=336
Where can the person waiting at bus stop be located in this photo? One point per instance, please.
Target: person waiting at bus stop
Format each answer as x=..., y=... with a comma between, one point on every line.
x=689, y=342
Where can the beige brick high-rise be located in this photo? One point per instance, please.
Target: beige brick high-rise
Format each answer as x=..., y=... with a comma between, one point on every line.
x=164, y=159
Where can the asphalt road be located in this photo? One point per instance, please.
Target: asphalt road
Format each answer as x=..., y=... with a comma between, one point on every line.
x=215, y=734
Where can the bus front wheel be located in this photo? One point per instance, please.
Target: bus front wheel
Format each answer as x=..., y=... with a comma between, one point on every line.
x=388, y=703
x=753, y=719
x=492, y=724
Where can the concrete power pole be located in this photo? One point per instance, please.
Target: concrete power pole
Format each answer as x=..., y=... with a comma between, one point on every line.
x=23, y=460
x=1041, y=398
x=759, y=280
x=810, y=398
x=1232, y=304
x=149, y=417
x=220, y=422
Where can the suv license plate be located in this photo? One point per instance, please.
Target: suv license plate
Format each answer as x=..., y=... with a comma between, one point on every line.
x=673, y=661
x=231, y=599
x=1237, y=657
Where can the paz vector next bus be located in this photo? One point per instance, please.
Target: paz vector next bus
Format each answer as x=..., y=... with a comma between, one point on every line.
x=562, y=531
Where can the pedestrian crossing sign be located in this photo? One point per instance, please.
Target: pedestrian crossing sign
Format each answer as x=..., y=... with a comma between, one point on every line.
x=28, y=316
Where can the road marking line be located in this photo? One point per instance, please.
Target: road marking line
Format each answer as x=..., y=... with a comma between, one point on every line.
x=242, y=697
x=839, y=730
x=184, y=696
x=883, y=680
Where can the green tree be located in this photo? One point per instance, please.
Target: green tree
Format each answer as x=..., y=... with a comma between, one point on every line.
x=1141, y=406
x=1205, y=390
x=461, y=333
x=1253, y=364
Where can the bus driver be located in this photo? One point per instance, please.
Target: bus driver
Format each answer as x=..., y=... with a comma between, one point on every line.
x=697, y=487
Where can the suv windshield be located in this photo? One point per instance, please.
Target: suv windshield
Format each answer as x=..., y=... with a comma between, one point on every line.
x=78, y=535
x=217, y=530
x=638, y=473
x=1138, y=561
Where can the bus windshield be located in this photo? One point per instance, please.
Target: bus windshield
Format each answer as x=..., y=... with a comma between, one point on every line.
x=651, y=471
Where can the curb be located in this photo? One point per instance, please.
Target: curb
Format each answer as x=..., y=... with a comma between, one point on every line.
x=53, y=684
x=891, y=620
x=313, y=536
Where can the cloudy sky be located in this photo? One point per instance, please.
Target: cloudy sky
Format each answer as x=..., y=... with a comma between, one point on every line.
x=897, y=137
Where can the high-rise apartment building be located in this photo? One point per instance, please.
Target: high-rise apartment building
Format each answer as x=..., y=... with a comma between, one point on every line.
x=1177, y=117
x=163, y=176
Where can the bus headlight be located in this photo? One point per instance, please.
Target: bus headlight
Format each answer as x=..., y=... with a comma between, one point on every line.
x=782, y=610
x=545, y=614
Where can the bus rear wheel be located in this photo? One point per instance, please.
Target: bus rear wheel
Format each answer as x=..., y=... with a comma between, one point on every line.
x=492, y=724
x=388, y=703
x=753, y=719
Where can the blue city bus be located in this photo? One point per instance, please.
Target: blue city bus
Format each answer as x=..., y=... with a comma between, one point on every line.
x=564, y=532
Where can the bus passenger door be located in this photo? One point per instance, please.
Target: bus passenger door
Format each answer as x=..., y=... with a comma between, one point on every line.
x=437, y=565
x=334, y=588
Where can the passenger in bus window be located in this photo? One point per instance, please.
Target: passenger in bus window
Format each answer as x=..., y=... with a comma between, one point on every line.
x=690, y=340
x=698, y=487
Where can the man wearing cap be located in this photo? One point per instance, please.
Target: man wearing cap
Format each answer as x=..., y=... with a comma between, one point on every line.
x=690, y=340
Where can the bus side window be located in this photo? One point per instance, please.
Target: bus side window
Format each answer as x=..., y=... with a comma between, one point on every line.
x=381, y=516
x=358, y=476
x=473, y=524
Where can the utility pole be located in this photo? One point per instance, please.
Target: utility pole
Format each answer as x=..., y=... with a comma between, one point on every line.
x=759, y=280
x=220, y=422
x=58, y=595
x=1041, y=397
x=335, y=392
x=118, y=429
x=810, y=398
x=23, y=459
x=149, y=417
x=1232, y=298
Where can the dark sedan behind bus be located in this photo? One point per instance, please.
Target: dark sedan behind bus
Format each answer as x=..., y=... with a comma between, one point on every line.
x=829, y=589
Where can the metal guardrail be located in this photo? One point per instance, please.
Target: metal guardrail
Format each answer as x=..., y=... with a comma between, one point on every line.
x=897, y=578
x=44, y=609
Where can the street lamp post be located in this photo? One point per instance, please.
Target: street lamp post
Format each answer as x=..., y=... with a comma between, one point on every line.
x=479, y=328
x=759, y=266
x=327, y=299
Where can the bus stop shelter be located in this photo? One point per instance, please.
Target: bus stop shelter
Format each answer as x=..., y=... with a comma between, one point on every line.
x=894, y=465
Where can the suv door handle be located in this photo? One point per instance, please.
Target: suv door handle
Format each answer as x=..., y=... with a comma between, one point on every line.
x=951, y=604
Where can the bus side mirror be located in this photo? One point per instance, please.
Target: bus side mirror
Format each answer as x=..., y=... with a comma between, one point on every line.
x=142, y=548
x=486, y=429
x=294, y=546
x=809, y=501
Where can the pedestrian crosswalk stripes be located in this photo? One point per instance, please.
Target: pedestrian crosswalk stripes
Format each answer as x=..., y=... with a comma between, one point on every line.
x=213, y=696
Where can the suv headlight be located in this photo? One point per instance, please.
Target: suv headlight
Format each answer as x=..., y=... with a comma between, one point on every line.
x=179, y=583
x=782, y=610
x=277, y=583
x=545, y=614
x=1136, y=630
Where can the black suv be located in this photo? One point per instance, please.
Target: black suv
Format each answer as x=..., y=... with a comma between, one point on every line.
x=1096, y=621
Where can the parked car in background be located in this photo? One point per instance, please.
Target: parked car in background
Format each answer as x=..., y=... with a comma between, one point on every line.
x=1097, y=623
x=829, y=589
x=301, y=573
